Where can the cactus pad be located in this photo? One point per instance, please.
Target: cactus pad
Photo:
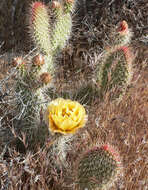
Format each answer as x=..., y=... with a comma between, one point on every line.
x=96, y=168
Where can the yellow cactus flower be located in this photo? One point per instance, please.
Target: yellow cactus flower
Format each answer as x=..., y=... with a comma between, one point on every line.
x=65, y=116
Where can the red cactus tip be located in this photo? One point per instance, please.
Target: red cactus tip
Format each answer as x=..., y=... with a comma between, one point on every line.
x=123, y=28
x=35, y=5
x=34, y=8
x=112, y=151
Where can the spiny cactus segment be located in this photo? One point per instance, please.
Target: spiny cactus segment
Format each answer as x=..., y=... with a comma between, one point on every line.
x=62, y=26
x=46, y=37
x=39, y=26
x=97, y=168
x=115, y=71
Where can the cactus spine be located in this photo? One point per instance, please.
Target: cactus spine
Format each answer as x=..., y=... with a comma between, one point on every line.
x=97, y=168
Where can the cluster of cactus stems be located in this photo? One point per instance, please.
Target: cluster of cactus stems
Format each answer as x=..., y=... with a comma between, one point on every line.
x=99, y=165
x=49, y=38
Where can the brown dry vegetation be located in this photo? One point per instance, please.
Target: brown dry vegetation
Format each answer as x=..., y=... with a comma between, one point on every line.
x=122, y=124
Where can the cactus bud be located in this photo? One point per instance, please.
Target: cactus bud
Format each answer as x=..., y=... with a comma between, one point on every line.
x=125, y=34
x=18, y=61
x=45, y=78
x=38, y=60
x=123, y=28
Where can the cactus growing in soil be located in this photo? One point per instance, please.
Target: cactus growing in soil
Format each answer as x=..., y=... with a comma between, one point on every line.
x=97, y=168
x=115, y=71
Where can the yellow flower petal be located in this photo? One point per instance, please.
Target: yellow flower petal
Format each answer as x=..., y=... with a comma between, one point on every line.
x=65, y=116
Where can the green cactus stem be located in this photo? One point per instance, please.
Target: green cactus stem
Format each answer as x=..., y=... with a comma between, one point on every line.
x=115, y=72
x=62, y=26
x=39, y=26
x=97, y=168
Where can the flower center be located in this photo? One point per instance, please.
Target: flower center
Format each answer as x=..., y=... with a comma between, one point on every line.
x=66, y=112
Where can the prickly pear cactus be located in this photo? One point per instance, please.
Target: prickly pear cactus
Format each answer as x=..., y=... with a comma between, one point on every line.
x=115, y=70
x=97, y=168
